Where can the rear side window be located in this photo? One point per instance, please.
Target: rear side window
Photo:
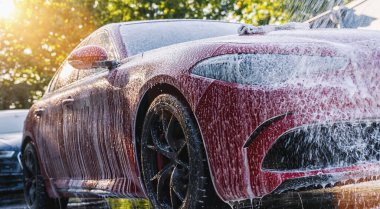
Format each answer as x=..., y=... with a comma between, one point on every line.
x=103, y=40
x=67, y=75
x=264, y=69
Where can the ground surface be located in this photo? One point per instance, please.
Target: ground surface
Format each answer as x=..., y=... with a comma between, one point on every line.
x=16, y=201
x=359, y=196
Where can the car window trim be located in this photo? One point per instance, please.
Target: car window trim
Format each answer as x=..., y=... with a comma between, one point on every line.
x=80, y=82
x=56, y=74
x=113, y=43
x=84, y=43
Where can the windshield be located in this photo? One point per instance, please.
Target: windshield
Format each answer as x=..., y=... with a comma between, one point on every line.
x=12, y=121
x=142, y=37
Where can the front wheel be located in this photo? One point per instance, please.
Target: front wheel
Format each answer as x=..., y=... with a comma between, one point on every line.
x=35, y=193
x=174, y=166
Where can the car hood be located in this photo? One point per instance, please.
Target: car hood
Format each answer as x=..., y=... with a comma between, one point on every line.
x=10, y=141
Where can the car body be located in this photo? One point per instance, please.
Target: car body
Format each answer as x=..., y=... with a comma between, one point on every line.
x=11, y=124
x=360, y=14
x=277, y=111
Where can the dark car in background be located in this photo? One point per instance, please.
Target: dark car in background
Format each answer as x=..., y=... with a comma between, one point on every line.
x=11, y=124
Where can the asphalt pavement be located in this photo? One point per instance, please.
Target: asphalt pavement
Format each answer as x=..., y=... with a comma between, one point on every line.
x=363, y=195
x=16, y=201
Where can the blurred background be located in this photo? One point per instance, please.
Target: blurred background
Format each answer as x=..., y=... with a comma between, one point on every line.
x=37, y=35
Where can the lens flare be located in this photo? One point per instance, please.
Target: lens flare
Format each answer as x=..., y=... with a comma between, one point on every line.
x=7, y=9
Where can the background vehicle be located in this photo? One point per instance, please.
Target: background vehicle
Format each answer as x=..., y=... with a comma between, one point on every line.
x=133, y=114
x=11, y=124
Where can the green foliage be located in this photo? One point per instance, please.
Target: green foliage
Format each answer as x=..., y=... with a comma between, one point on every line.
x=127, y=10
x=33, y=43
x=128, y=204
x=259, y=12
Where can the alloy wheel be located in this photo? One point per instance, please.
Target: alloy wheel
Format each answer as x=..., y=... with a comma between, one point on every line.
x=30, y=177
x=166, y=147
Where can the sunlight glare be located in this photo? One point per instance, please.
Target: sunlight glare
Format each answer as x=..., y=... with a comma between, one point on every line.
x=7, y=8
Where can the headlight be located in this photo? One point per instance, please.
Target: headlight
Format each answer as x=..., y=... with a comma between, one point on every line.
x=6, y=154
x=263, y=69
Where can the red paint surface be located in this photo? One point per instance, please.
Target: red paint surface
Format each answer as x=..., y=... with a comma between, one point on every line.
x=92, y=144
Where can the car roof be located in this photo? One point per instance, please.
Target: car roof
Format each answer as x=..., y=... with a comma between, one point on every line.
x=330, y=35
x=117, y=25
x=18, y=112
x=174, y=20
x=12, y=121
x=301, y=36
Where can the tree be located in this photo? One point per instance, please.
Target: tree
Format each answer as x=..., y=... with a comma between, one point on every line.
x=108, y=11
x=250, y=11
x=33, y=44
x=38, y=38
x=259, y=12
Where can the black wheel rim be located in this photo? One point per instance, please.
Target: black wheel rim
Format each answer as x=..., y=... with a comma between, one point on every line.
x=166, y=160
x=30, y=177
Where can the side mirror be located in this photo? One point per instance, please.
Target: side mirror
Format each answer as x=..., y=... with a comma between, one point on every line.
x=87, y=57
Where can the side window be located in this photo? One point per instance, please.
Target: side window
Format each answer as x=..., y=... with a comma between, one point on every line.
x=56, y=82
x=67, y=75
x=103, y=40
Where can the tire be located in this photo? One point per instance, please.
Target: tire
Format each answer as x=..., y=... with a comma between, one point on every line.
x=36, y=196
x=172, y=156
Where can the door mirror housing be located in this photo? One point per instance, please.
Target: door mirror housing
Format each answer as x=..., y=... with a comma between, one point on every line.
x=87, y=57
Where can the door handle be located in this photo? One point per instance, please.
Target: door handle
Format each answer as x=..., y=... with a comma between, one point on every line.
x=39, y=112
x=67, y=102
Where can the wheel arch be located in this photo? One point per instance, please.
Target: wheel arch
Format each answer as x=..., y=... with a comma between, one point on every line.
x=146, y=101
x=25, y=140
x=50, y=189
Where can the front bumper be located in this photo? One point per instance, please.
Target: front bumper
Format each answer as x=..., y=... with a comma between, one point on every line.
x=320, y=146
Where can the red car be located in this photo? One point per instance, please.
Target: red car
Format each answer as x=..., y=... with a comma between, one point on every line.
x=142, y=110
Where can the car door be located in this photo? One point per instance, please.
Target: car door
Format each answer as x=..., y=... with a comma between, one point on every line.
x=49, y=134
x=100, y=126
